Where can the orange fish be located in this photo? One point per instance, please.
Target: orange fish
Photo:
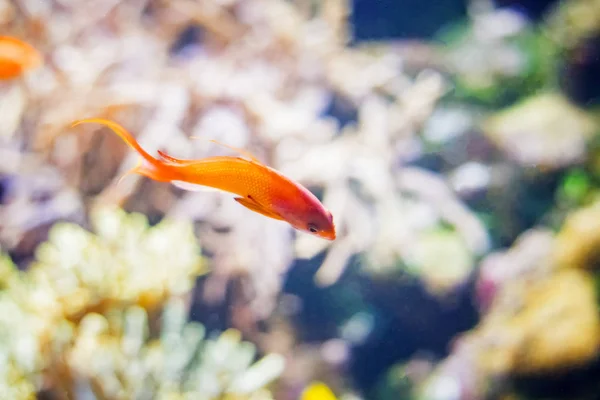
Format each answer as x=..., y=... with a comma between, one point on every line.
x=261, y=188
x=16, y=57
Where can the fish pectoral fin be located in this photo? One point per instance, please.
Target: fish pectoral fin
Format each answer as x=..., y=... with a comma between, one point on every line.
x=254, y=206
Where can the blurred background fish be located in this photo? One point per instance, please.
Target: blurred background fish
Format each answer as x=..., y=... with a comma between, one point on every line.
x=16, y=57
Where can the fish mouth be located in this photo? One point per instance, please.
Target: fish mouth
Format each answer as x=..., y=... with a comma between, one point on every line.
x=328, y=235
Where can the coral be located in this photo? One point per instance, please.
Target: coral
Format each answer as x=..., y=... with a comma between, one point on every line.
x=18, y=352
x=533, y=131
x=498, y=57
x=104, y=312
x=276, y=77
x=23, y=334
x=114, y=356
x=33, y=196
x=486, y=41
x=545, y=326
x=442, y=260
x=556, y=327
x=573, y=21
x=83, y=318
x=401, y=379
x=529, y=259
x=434, y=222
x=539, y=312
x=124, y=263
x=578, y=242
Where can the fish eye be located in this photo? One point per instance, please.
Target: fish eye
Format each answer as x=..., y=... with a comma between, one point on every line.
x=313, y=228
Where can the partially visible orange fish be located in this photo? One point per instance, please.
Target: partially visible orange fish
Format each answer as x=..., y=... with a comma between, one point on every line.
x=261, y=188
x=16, y=57
x=317, y=391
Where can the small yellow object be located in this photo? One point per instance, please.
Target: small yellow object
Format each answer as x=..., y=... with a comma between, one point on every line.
x=317, y=391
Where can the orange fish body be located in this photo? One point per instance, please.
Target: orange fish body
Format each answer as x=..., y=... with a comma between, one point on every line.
x=16, y=57
x=259, y=187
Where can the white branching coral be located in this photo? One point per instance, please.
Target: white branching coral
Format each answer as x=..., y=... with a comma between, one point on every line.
x=125, y=262
x=116, y=356
x=85, y=319
x=20, y=352
x=275, y=77
x=22, y=335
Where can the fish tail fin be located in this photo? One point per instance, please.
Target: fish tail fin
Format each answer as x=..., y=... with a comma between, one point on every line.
x=148, y=166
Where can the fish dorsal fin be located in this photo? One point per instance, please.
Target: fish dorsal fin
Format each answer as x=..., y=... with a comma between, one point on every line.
x=236, y=149
x=165, y=157
x=254, y=206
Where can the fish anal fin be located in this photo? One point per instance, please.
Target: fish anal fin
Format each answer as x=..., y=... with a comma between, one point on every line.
x=142, y=168
x=254, y=206
x=192, y=187
x=236, y=149
x=132, y=171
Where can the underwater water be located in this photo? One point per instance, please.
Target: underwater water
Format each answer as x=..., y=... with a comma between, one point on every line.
x=449, y=248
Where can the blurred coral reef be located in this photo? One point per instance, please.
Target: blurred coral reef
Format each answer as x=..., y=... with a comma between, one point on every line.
x=94, y=316
x=462, y=172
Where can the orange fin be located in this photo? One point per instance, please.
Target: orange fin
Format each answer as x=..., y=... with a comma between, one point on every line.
x=132, y=171
x=193, y=187
x=145, y=169
x=165, y=157
x=149, y=166
x=236, y=149
x=121, y=132
x=254, y=206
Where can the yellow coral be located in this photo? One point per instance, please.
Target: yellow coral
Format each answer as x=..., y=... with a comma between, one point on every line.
x=13, y=385
x=533, y=131
x=578, y=242
x=126, y=262
x=556, y=327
